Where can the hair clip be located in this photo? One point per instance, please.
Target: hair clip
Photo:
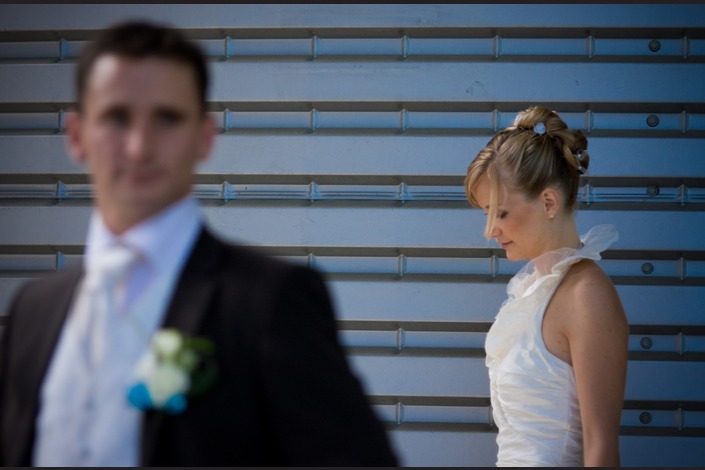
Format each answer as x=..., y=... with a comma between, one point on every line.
x=540, y=128
x=579, y=157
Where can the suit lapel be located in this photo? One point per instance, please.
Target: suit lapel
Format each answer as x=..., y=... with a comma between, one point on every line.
x=195, y=287
x=57, y=308
x=187, y=310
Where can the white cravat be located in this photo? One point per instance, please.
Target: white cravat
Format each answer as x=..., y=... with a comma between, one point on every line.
x=101, y=298
x=79, y=389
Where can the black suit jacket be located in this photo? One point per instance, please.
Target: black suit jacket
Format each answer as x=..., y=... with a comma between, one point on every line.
x=285, y=395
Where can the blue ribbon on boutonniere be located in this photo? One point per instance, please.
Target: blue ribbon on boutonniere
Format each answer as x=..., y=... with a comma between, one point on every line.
x=175, y=368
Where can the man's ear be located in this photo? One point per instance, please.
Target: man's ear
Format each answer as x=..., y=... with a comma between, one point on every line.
x=208, y=133
x=74, y=137
x=551, y=200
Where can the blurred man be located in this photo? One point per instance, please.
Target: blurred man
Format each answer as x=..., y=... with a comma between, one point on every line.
x=204, y=353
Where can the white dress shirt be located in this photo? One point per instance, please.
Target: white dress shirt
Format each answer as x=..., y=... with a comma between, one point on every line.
x=84, y=417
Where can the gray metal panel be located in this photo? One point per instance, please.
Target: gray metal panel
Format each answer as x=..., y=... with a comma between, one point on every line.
x=422, y=376
x=372, y=156
x=404, y=83
x=445, y=449
x=85, y=16
x=676, y=305
x=459, y=301
x=476, y=449
x=446, y=376
x=337, y=224
x=668, y=451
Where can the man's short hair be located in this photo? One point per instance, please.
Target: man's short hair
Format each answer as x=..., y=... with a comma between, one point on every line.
x=139, y=40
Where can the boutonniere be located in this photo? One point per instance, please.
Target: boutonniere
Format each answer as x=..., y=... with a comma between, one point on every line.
x=175, y=368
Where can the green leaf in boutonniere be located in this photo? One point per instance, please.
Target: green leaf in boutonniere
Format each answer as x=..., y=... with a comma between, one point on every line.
x=198, y=357
x=175, y=368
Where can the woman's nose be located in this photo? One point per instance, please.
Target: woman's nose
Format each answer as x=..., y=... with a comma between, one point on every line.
x=494, y=232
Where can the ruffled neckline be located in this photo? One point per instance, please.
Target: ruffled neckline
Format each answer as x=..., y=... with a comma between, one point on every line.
x=557, y=262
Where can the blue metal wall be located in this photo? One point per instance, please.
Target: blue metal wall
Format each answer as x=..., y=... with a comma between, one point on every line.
x=346, y=133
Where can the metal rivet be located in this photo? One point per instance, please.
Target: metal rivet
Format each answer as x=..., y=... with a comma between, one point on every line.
x=652, y=190
x=647, y=268
x=654, y=45
x=645, y=417
x=646, y=342
x=652, y=120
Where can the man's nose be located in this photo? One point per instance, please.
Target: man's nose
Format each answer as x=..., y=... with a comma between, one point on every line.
x=138, y=142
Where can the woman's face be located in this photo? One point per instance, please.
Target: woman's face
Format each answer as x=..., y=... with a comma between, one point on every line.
x=521, y=225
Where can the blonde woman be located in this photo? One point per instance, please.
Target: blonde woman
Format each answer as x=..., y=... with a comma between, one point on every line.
x=557, y=351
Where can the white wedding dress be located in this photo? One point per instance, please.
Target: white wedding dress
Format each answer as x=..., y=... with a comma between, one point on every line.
x=533, y=393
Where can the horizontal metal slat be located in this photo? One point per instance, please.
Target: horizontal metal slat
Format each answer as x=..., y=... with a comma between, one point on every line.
x=650, y=197
x=434, y=413
x=305, y=44
x=655, y=196
x=679, y=347
x=39, y=121
x=400, y=340
x=676, y=47
x=397, y=121
x=402, y=265
x=24, y=50
x=475, y=414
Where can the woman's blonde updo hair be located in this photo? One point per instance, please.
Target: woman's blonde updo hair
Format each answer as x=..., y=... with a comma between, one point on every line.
x=537, y=151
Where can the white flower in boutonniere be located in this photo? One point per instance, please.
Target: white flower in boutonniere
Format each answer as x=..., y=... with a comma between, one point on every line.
x=174, y=369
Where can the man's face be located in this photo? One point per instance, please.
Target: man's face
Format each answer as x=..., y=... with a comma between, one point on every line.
x=141, y=133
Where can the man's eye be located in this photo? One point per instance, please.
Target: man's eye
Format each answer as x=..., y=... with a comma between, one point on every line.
x=168, y=118
x=117, y=118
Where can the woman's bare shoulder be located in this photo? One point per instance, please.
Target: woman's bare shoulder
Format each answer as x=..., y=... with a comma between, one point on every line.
x=592, y=294
x=585, y=276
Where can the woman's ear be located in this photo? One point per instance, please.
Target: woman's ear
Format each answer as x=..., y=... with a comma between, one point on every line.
x=551, y=201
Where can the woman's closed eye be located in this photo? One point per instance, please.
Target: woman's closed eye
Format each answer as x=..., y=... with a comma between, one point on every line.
x=500, y=214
